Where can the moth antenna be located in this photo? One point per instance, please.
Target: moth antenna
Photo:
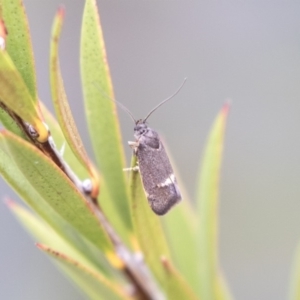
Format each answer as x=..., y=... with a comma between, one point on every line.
x=117, y=102
x=164, y=101
x=125, y=109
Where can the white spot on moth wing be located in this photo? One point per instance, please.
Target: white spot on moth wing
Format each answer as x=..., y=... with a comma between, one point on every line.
x=170, y=180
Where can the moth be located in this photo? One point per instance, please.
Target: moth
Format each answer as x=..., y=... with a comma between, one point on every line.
x=156, y=172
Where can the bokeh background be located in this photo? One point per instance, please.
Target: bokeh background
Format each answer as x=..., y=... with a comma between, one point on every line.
x=248, y=51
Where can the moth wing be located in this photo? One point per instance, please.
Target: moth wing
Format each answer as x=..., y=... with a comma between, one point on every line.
x=158, y=177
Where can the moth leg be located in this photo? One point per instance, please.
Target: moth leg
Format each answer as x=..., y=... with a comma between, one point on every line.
x=170, y=180
x=133, y=145
x=134, y=169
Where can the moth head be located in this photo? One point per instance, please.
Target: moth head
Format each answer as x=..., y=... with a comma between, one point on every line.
x=140, y=128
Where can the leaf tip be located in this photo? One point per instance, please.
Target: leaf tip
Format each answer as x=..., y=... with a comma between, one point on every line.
x=61, y=11
x=3, y=131
x=40, y=246
x=10, y=203
x=46, y=249
x=226, y=107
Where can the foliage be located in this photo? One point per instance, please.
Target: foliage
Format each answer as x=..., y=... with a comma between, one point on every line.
x=101, y=232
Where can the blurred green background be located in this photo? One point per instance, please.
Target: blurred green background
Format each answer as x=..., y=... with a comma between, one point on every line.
x=248, y=51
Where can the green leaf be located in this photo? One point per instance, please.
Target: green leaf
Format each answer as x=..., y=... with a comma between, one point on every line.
x=61, y=105
x=180, y=226
x=59, y=192
x=222, y=290
x=102, y=120
x=208, y=207
x=11, y=173
x=80, y=270
x=152, y=241
x=60, y=142
x=294, y=293
x=18, y=43
x=9, y=123
x=181, y=232
x=42, y=232
x=147, y=227
x=92, y=283
x=176, y=286
x=15, y=95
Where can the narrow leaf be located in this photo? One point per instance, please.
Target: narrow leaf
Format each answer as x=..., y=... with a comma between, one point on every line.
x=207, y=208
x=147, y=227
x=93, y=281
x=15, y=95
x=222, y=292
x=42, y=232
x=18, y=42
x=102, y=119
x=53, y=185
x=294, y=293
x=61, y=143
x=61, y=104
x=176, y=287
x=181, y=233
x=12, y=175
x=180, y=226
x=9, y=123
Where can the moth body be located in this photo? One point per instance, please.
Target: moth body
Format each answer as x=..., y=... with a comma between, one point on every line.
x=156, y=172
